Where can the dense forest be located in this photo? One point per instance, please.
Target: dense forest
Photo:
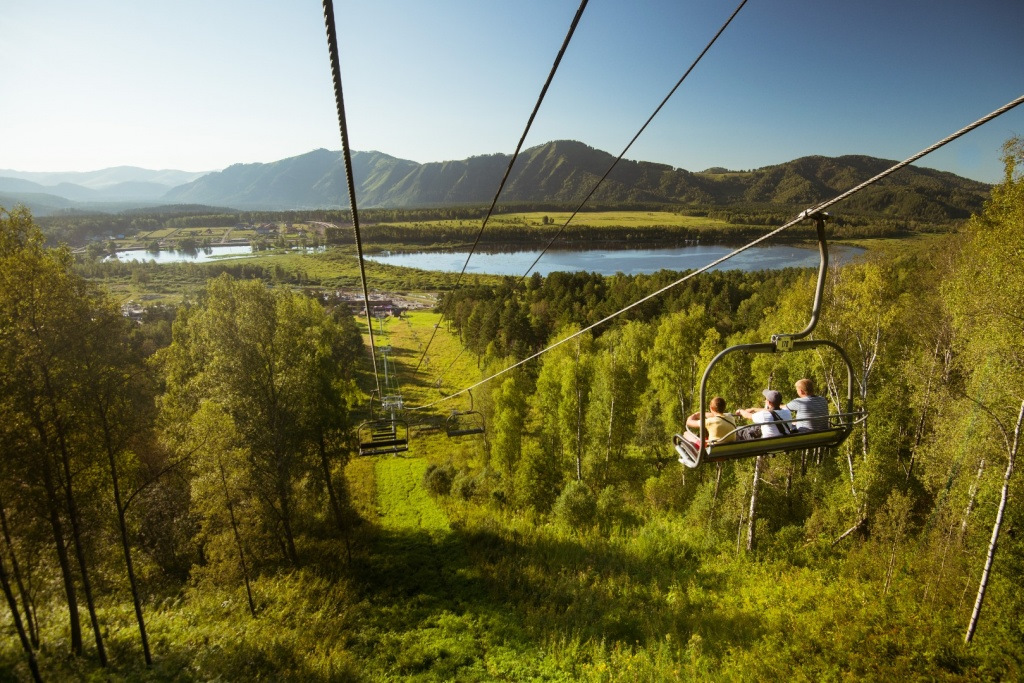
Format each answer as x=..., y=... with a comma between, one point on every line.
x=180, y=499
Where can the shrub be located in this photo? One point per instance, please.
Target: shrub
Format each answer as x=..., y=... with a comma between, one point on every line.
x=664, y=491
x=464, y=486
x=575, y=506
x=610, y=507
x=437, y=479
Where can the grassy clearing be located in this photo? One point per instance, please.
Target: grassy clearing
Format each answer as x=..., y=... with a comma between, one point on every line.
x=505, y=597
x=402, y=501
x=593, y=219
x=408, y=337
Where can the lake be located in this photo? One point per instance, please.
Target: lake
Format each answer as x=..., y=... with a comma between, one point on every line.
x=215, y=253
x=603, y=261
x=612, y=261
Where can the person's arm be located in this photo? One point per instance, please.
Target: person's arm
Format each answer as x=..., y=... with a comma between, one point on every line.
x=693, y=420
x=748, y=413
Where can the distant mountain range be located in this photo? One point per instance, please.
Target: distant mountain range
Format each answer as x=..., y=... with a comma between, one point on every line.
x=560, y=172
x=109, y=189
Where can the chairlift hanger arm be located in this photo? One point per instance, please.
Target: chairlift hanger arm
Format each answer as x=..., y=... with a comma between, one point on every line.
x=784, y=340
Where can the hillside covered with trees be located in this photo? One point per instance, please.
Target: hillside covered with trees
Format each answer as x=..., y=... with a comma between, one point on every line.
x=565, y=171
x=181, y=498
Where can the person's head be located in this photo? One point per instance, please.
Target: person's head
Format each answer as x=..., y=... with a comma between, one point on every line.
x=804, y=387
x=773, y=397
x=717, y=404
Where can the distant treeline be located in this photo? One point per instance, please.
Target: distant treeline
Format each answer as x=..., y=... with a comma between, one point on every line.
x=853, y=223
x=146, y=272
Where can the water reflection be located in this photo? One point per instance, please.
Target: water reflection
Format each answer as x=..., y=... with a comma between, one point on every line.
x=612, y=261
x=603, y=261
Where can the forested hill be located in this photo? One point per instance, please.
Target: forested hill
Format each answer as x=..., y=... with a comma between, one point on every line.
x=564, y=172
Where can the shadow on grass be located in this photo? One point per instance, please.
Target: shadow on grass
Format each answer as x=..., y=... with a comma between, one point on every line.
x=479, y=603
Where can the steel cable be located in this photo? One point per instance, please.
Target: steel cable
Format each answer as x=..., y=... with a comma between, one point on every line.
x=508, y=171
x=339, y=99
x=634, y=139
x=615, y=163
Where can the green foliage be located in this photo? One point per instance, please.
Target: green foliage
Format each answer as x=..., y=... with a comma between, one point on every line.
x=465, y=486
x=437, y=479
x=575, y=506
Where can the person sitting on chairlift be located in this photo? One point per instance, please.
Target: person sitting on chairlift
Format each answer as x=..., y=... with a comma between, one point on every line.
x=720, y=425
x=773, y=419
x=811, y=410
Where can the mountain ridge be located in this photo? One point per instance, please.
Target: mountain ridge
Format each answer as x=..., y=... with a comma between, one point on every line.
x=557, y=172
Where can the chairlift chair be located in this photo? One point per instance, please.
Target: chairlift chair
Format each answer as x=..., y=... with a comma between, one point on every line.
x=387, y=434
x=378, y=437
x=693, y=452
x=465, y=422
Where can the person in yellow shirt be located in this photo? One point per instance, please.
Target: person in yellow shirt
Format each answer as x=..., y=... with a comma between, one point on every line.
x=720, y=425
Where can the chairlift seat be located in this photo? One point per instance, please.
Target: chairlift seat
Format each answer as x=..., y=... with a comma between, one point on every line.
x=465, y=423
x=794, y=441
x=383, y=436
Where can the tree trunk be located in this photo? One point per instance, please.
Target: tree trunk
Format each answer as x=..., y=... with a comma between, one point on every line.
x=13, y=604
x=892, y=563
x=579, y=420
x=924, y=411
x=59, y=542
x=752, y=518
x=849, y=531
x=125, y=546
x=238, y=537
x=739, y=533
x=937, y=578
x=30, y=621
x=868, y=363
x=611, y=424
x=995, y=530
x=849, y=462
x=73, y=517
x=972, y=497
x=331, y=495
x=611, y=410
x=718, y=480
x=77, y=541
x=286, y=521
x=339, y=517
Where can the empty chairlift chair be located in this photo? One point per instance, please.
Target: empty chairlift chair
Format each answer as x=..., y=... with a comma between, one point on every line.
x=378, y=437
x=465, y=422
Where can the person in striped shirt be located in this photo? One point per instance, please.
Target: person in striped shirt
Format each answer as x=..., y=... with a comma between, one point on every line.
x=811, y=410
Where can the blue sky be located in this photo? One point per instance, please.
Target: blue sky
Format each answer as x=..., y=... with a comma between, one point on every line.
x=199, y=85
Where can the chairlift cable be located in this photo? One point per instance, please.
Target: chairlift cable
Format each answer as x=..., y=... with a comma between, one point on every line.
x=634, y=139
x=339, y=98
x=807, y=213
x=508, y=170
x=601, y=180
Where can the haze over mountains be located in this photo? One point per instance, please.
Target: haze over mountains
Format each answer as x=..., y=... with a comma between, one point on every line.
x=556, y=172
